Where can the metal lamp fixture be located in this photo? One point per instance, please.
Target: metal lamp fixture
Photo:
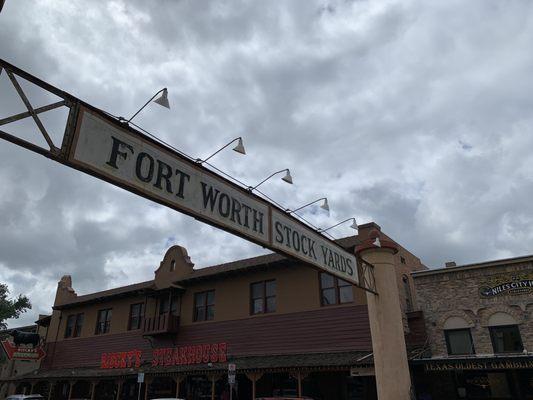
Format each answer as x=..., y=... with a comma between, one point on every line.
x=324, y=205
x=161, y=100
x=353, y=225
x=239, y=148
x=287, y=178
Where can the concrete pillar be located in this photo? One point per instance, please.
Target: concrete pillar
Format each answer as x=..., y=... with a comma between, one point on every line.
x=393, y=379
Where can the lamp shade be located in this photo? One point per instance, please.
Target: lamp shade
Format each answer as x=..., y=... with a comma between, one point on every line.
x=287, y=178
x=354, y=225
x=240, y=147
x=325, y=205
x=376, y=242
x=163, y=99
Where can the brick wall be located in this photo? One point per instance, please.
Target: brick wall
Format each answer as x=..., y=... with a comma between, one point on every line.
x=455, y=292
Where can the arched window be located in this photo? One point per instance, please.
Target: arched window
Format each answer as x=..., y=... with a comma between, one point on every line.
x=407, y=293
x=172, y=265
x=504, y=333
x=458, y=336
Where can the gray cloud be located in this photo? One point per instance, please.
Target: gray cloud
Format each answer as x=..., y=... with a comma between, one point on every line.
x=412, y=114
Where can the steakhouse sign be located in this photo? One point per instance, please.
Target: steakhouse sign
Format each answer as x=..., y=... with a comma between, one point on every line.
x=106, y=149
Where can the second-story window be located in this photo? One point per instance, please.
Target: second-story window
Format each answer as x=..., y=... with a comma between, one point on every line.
x=103, y=323
x=459, y=341
x=74, y=325
x=136, y=316
x=204, y=306
x=506, y=339
x=334, y=290
x=263, y=297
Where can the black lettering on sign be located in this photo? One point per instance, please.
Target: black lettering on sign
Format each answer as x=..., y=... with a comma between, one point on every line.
x=164, y=172
x=224, y=205
x=139, y=167
x=279, y=233
x=115, y=151
x=231, y=208
x=210, y=197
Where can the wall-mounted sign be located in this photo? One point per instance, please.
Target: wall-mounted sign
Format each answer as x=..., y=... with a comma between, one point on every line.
x=15, y=352
x=165, y=357
x=514, y=284
x=106, y=149
x=187, y=355
x=525, y=363
x=121, y=359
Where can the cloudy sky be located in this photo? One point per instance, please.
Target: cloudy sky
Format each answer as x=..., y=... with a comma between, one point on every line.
x=414, y=114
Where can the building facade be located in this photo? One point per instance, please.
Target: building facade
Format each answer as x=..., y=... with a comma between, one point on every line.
x=289, y=329
x=479, y=323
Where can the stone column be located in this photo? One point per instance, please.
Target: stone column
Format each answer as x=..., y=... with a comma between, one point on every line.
x=393, y=379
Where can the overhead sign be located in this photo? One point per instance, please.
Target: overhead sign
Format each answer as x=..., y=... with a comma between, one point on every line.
x=131, y=161
x=14, y=352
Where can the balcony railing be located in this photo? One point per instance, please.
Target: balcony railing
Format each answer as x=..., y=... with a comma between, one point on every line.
x=164, y=323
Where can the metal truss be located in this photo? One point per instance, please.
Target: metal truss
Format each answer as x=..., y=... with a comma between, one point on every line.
x=53, y=151
x=366, y=275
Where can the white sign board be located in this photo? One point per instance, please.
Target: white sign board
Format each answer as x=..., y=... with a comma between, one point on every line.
x=140, y=377
x=305, y=244
x=129, y=160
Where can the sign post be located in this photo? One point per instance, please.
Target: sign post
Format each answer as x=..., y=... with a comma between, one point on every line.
x=140, y=380
x=231, y=378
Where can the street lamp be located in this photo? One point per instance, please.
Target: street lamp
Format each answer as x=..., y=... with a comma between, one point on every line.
x=287, y=178
x=324, y=205
x=162, y=101
x=239, y=148
x=353, y=225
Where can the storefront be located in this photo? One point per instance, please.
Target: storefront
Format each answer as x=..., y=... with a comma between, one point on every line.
x=341, y=376
x=495, y=378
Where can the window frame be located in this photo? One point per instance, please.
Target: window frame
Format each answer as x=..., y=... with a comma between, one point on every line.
x=140, y=316
x=264, y=297
x=335, y=286
x=107, y=322
x=492, y=334
x=76, y=326
x=447, y=340
x=205, y=306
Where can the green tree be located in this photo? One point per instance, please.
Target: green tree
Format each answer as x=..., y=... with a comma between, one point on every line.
x=11, y=308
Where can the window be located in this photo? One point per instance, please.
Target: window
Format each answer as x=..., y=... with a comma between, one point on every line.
x=204, y=306
x=459, y=341
x=263, y=297
x=506, y=339
x=172, y=265
x=164, y=302
x=334, y=290
x=103, y=323
x=402, y=260
x=136, y=316
x=74, y=325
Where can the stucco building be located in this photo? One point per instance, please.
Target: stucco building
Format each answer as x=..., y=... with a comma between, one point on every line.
x=479, y=323
x=288, y=328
